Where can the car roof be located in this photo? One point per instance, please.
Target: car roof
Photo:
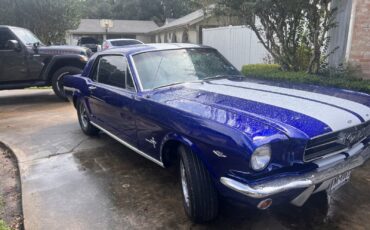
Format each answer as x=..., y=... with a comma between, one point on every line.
x=121, y=39
x=140, y=48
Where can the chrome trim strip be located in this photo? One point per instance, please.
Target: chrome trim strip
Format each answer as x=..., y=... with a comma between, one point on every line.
x=323, y=162
x=345, y=149
x=338, y=131
x=320, y=145
x=266, y=189
x=136, y=72
x=327, y=155
x=356, y=149
x=128, y=145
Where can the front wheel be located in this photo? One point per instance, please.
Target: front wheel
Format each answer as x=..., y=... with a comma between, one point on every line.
x=84, y=120
x=57, y=80
x=199, y=194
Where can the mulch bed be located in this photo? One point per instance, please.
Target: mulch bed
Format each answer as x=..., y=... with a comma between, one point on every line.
x=10, y=190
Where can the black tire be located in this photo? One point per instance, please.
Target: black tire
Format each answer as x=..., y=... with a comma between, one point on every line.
x=201, y=199
x=84, y=120
x=57, y=78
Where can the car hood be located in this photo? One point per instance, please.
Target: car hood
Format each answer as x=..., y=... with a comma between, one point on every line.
x=63, y=50
x=297, y=110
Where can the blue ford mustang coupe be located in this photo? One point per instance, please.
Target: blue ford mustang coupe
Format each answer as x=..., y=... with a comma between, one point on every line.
x=255, y=142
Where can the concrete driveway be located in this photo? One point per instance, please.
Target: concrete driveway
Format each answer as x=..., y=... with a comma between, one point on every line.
x=71, y=181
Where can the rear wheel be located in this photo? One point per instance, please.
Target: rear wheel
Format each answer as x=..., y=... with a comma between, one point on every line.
x=200, y=198
x=84, y=120
x=57, y=80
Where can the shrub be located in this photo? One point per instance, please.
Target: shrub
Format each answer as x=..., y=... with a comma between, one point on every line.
x=273, y=72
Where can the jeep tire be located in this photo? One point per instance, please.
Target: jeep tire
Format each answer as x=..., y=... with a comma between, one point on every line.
x=57, y=79
x=200, y=198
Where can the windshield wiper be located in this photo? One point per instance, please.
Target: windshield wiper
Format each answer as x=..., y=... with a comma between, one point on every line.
x=163, y=86
x=220, y=77
x=217, y=77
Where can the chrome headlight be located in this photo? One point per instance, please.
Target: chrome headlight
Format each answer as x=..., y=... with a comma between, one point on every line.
x=261, y=158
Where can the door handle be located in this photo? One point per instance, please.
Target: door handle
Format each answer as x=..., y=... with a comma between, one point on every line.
x=92, y=87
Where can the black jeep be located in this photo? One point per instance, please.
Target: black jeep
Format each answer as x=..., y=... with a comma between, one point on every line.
x=25, y=61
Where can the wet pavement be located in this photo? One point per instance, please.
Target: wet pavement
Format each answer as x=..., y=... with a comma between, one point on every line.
x=71, y=181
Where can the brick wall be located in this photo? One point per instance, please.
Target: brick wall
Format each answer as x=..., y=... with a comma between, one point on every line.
x=359, y=53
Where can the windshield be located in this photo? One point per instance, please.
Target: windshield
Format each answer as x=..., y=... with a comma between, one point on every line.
x=88, y=40
x=125, y=42
x=26, y=36
x=162, y=68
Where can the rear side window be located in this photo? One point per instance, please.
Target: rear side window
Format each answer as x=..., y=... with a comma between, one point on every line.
x=113, y=70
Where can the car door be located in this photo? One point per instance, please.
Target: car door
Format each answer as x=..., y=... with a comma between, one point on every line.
x=112, y=96
x=13, y=63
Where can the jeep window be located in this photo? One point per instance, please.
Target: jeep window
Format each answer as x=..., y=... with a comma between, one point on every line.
x=26, y=36
x=113, y=70
x=168, y=67
x=5, y=36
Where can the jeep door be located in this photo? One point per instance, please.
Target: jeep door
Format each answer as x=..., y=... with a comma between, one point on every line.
x=111, y=97
x=13, y=63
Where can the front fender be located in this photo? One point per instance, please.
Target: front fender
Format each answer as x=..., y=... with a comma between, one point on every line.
x=178, y=138
x=202, y=150
x=58, y=62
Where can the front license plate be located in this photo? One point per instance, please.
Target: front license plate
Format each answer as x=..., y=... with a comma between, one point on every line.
x=339, y=181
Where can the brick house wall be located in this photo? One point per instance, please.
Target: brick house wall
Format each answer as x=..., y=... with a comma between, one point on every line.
x=358, y=49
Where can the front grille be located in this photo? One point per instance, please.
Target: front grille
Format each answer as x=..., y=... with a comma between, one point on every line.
x=336, y=142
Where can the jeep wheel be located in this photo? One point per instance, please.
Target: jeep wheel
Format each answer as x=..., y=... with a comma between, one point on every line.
x=200, y=198
x=84, y=120
x=57, y=79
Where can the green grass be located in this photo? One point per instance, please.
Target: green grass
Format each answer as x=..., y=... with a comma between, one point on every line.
x=3, y=226
x=273, y=72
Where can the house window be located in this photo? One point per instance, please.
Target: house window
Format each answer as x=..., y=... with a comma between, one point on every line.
x=174, y=38
x=185, y=36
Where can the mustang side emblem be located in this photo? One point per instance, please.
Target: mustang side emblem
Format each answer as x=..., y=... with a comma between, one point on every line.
x=219, y=153
x=152, y=141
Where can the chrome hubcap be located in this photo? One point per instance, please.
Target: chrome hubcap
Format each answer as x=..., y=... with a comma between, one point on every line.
x=184, y=184
x=84, y=116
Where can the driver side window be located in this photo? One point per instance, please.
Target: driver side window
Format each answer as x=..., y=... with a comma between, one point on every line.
x=5, y=36
x=113, y=70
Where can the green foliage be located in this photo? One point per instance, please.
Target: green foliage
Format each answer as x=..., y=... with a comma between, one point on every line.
x=3, y=226
x=48, y=19
x=295, y=32
x=345, y=79
x=157, y=10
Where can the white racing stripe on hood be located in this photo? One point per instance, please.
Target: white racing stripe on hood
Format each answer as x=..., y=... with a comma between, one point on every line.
x=355, y=107
x=335, y=118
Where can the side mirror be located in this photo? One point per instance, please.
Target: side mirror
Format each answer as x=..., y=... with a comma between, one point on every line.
x=35, y=47
x=98, y=48
x=13, y=45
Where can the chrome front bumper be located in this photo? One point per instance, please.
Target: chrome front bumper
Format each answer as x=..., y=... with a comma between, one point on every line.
x=307, y=180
